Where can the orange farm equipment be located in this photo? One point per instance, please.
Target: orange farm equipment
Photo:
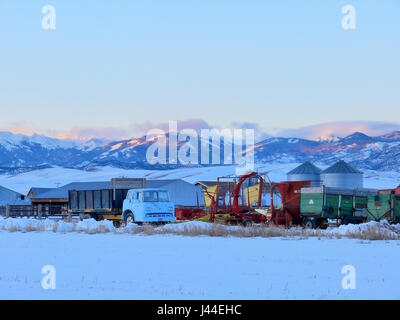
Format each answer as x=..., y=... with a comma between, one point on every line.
x=289, y=211
x=186, y=213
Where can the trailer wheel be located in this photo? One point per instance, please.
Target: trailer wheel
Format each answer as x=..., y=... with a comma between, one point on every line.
x=116, y=223
x=322, y=223
x=84, y=216
x=247, y=223
x=347, y=220
x=309, y=223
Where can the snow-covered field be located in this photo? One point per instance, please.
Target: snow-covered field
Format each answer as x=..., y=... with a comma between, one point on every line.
x=167, y=266
x=56, y=177
x=98, y=262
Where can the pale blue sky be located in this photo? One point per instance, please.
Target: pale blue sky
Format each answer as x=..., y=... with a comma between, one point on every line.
x=116, y=64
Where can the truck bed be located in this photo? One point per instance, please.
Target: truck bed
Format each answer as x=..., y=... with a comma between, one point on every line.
x=102, y=201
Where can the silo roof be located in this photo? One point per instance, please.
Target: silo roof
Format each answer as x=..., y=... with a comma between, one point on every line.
x=305, y=168
x=341, y=167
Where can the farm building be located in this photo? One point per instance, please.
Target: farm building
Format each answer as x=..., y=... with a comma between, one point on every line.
x=181, y=192
x=34, y=191
x=10, y=197
x=343, y=175
x=305, y=172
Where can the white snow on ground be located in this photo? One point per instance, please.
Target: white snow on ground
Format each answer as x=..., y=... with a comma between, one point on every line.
x=383, y=226
x=56, y=177
x=136, y=266
x=105, y=266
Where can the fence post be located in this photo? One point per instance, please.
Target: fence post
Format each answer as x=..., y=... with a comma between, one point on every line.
x=7, y=210
x=40, y=211
x=69, y=215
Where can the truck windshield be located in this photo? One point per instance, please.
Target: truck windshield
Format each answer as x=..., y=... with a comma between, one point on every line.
x=156, y=196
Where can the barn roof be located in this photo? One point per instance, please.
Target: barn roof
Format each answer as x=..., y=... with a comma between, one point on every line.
x=36, y=191
x=161, y=183
x=62, y=192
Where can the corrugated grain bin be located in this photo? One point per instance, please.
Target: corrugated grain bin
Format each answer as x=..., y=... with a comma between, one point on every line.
x=342, y=175
x=305, y=172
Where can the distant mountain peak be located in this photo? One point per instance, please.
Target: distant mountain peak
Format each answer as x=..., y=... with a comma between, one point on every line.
x=357, y=134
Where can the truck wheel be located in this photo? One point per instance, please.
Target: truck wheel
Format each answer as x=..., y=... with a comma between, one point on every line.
x=129, y=218
x=247, y=223
x=309, y=223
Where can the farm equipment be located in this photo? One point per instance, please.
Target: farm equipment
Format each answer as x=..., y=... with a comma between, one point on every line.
x=185, y=213
x=234, y=212
x=290, y=194
x=385, y=205
x=318, y=204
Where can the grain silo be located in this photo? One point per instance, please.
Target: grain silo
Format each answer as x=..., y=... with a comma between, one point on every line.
x=343, y=175
x=305, y=172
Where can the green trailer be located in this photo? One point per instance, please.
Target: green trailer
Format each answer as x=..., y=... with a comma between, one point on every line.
x=320, y=204
x=384, y=206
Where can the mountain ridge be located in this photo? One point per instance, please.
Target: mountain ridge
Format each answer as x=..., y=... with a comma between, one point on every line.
x=20, y=153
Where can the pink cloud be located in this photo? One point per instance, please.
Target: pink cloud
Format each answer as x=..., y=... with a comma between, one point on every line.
x=82, y=133
x=340, y=129
x=25, y=128
x=108, y=133
x=324, y=130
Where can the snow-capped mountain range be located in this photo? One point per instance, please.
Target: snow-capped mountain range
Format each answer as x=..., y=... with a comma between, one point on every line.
x=20, y=153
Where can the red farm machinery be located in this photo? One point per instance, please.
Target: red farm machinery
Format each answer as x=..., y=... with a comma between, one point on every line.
x=285, y=213
x=239, y=200
x=225, y=204
x=289, y=192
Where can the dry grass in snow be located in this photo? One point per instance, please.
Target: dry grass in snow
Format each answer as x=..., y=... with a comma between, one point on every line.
x=366, y=231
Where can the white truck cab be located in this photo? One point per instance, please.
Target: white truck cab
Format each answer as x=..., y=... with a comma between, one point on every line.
x=148, y=205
